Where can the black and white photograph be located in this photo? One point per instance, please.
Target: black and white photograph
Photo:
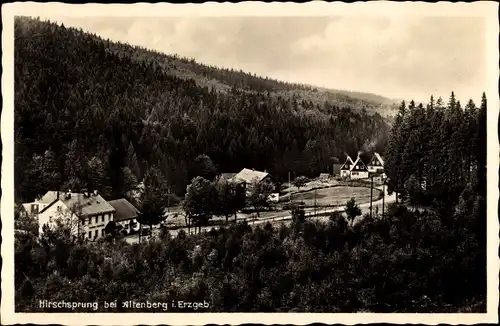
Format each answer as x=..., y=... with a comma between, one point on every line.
x=200, y=161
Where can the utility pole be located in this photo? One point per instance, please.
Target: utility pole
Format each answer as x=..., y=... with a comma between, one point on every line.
x=289, y=190
x=371, y=196
x=383, y=196
x=314, y=201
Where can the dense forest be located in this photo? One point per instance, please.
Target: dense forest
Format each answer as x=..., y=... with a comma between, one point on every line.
x=90, y=116
x=405, y=262
x=422, y=256
x=438, y=150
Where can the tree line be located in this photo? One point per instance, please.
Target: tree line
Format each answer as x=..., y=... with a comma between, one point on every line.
x=88, y=117
x=438, y=150
x=372, y=266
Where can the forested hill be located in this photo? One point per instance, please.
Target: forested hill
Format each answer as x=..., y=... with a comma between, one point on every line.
x=224, y=80
x=87, y=116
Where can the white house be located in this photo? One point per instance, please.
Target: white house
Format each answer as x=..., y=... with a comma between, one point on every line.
x=345, y=169
x=376, y=164
x=359, y=169
x=87, y=213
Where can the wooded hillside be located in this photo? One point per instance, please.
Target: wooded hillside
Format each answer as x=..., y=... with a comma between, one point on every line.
x=90, y=114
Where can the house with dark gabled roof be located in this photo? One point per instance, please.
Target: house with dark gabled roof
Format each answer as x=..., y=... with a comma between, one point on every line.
x=345, y=169
x=359, y=169
x=376, y=164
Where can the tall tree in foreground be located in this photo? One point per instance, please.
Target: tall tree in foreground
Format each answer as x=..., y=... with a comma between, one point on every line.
x=200, y=201
x=203, y=167
x=230, y=198
x=300, y=182
x=352, y=210
x=260, y=195
x=153, y=201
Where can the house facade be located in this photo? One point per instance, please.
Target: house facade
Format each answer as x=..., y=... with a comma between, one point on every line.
x=376, y=164
x=345, y=169
x=359, y=170
x=248, y=177
x=87, y=214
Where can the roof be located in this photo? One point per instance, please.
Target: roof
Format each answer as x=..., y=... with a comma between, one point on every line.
x=227, y=176
x=124, y=210
x=359, y=162
x=378, y=157
x=249, y=176
x=84, y=205
x=349, y=162
x=27, y=207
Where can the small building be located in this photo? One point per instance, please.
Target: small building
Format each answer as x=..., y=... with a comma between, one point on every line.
x=249, y=177
x=125, y=212
x=86, y=213
x=359, y=169
x=324, y=177
x=376, y=164
x=345, y=169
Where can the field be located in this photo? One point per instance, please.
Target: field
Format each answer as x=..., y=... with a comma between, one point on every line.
x=332, y=195
x=335, y=195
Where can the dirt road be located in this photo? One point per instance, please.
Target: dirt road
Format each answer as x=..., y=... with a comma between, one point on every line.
x=285, y=216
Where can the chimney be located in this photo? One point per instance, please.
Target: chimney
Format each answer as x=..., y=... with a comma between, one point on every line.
x=34, y=208
x=58, y=195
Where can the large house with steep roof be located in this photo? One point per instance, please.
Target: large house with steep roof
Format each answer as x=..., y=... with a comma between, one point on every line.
x=249, y=177
x=376, y=165
x=359, y=169
x=87, y=214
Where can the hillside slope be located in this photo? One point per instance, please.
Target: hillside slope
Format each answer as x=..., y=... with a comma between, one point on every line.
x=90, y=116
x=225, y=79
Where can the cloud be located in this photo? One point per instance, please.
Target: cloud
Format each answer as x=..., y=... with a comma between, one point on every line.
x=403, y=57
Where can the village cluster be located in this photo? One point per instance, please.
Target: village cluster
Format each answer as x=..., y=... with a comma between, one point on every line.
x=89, y=214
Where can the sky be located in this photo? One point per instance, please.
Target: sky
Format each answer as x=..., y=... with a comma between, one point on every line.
x=397, y=57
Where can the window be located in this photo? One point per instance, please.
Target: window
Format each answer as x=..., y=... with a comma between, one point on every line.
x=102, y=218
x=59, y=208
x=96, y=233
x=50, y=219
x=90, y=234
x=96, y=219
x=102, y=232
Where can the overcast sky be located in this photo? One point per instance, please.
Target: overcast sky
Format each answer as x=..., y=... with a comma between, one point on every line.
x=394, y=57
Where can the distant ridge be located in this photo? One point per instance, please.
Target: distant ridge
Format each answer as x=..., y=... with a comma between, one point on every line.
x=225, y=79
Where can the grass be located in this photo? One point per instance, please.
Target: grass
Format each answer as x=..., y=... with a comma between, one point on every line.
x=335, y=195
